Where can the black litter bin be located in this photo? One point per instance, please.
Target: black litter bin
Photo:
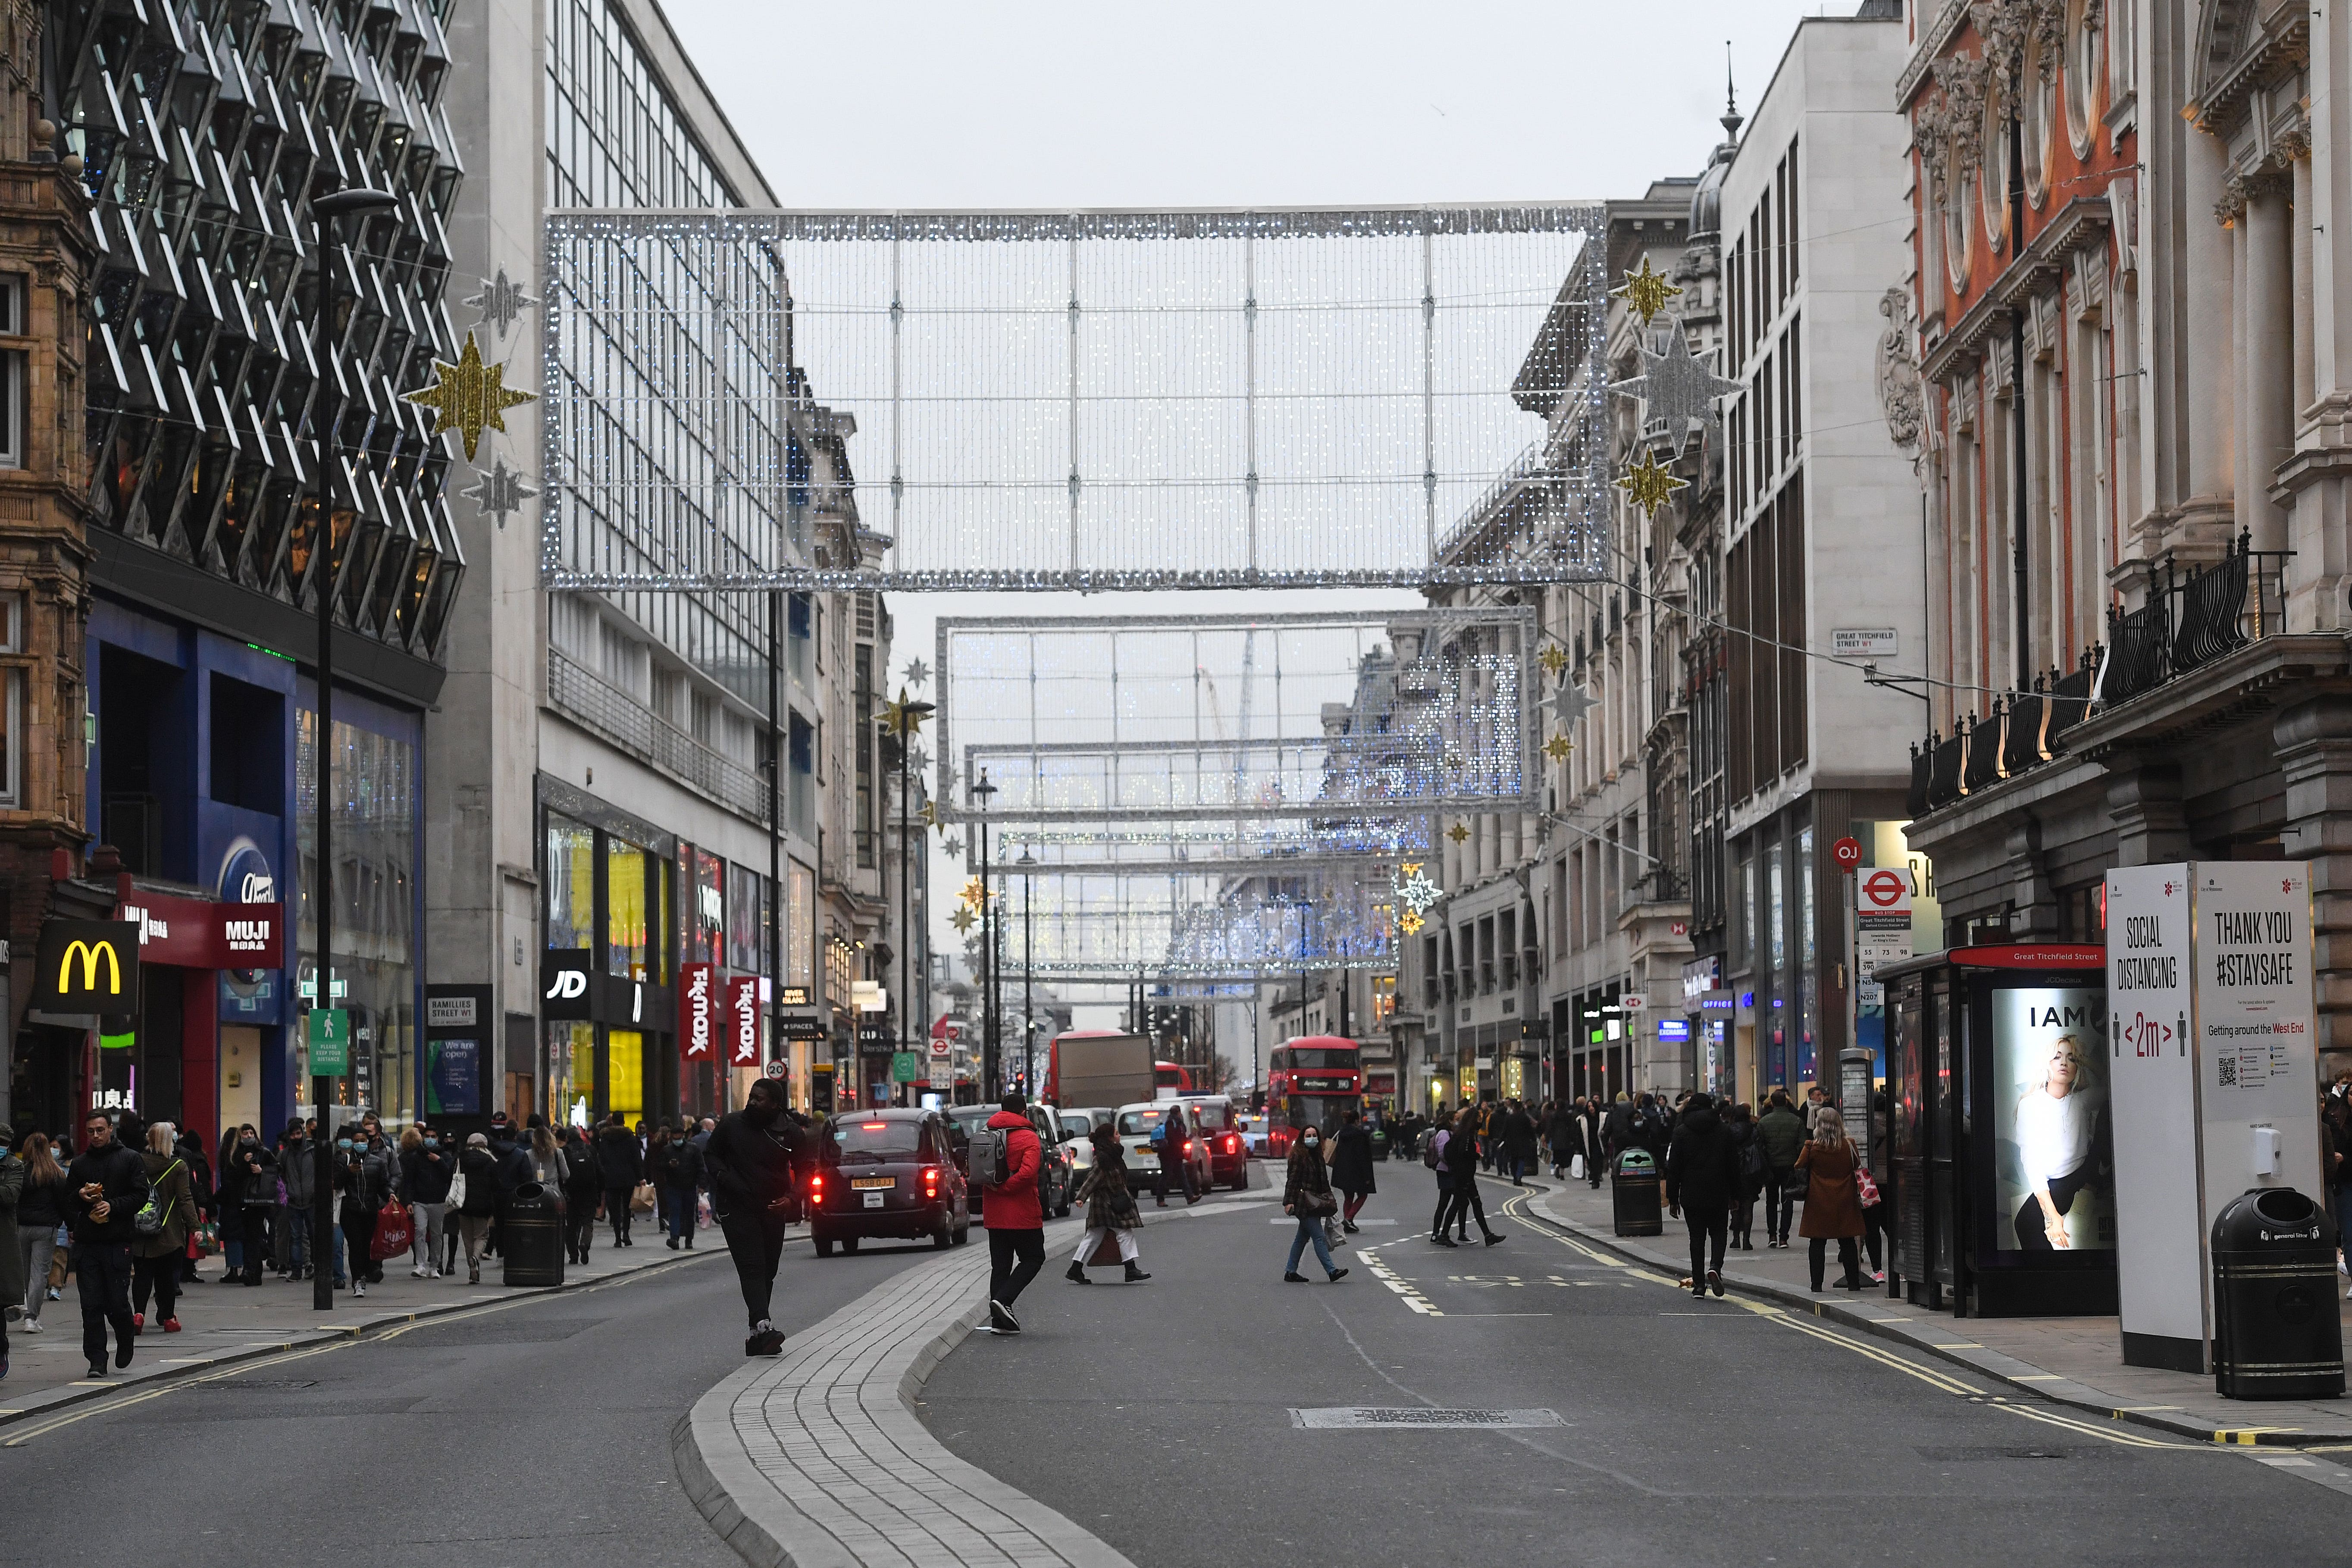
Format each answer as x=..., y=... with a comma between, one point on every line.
x=531, y=1235
x=2277, y=1331
x=1633, y=1195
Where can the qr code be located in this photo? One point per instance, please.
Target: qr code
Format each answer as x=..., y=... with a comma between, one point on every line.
x=2229, y=1065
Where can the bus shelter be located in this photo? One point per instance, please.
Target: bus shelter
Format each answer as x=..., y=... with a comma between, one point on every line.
x=2000, y=1147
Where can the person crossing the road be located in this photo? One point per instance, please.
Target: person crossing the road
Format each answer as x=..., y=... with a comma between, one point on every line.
x=1171, y=1139
x=1462, y=1162
x=1014, y=1213
x=1306, y=1196
x=1351, y=1167
x=749, y=1162
x=1110, y=1210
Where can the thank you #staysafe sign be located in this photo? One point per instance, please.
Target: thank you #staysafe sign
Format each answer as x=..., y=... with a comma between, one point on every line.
x=2211, y=1021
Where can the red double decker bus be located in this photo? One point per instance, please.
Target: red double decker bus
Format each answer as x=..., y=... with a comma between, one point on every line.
x=1311, y=1081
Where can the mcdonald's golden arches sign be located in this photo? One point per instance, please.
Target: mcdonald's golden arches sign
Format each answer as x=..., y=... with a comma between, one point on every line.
x=88, y=966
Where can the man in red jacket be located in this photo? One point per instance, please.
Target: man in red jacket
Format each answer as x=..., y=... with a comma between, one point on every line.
x=1014, y=1218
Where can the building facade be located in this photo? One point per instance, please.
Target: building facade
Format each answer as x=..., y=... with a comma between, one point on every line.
x=2135, y=334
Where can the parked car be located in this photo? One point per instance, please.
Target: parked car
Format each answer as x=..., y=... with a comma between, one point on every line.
x=1059, y=1179
x=888, y=1173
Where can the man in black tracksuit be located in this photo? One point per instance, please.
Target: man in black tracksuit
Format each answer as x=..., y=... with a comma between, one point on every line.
x=104, y=1190
x=749, y=1164
x=1702, y=1177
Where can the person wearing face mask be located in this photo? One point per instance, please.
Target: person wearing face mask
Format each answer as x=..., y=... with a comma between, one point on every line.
x=1306, y=1198
x=298, y=1173
x=481, y=1206
x=363, y=1178
x=426, y=1169
x=253, y=1171
x=749, y=1162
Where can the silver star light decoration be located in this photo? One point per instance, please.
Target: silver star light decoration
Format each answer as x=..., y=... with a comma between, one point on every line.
x=1568, y=704
x=501, y=301
x=1417, y=891
x=918, y=760
x=953, y=848
x=1676, y=389
x=918, y=672
x=499, y=490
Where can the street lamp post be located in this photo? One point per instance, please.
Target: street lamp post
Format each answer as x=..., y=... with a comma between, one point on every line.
x=982, y=792
x=1028, y=1020
x=327, y=209
x=902, y=718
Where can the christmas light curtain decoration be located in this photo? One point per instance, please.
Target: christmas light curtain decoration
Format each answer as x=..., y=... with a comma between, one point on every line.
x=1114, y=927
x=1095, y=400
x=1233, y=846
x=1134, y=718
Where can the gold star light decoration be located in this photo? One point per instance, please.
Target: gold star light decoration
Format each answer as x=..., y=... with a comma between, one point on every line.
x=1645, y=292
x=963, y=920
x=972, y=893
x=904, y=718
x=469, y=398
x=930, y=816
x=1648, y=484
x=1409, y=922
x=1557, y=748
x=1459, y=834
x=1554, y=658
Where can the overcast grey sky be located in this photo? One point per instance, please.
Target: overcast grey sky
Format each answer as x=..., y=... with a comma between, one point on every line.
x=1051, y=104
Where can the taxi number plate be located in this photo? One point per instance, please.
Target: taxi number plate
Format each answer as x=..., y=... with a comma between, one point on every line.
x=873, y=1200
x=862, y=1183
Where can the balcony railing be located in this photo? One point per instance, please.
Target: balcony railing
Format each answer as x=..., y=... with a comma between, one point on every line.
x=583, y=695
x=2025, y=730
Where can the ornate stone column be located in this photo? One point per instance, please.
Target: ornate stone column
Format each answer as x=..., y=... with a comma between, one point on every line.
x=2266, y=384
x=2208, y=324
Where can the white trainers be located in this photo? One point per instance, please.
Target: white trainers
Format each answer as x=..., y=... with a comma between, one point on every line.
x=360, y=1288
x=420, y=1274
x=29, y=1326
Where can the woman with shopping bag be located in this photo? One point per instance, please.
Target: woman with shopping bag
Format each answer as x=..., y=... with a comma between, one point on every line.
x=1306, y=1198
x=1111, y=1212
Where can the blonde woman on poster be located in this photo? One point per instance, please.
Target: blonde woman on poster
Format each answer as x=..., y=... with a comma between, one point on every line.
x=2057, y=1129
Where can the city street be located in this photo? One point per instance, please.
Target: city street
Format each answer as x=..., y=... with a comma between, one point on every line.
x=526, y=1432
x=1161, y=1418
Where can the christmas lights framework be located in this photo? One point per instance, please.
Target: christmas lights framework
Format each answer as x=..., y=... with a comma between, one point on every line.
x=1118, y=719
x=1093, y=400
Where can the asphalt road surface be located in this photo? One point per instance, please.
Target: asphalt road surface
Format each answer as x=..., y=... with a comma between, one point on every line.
x=536, y=1432
x=1161, y=1417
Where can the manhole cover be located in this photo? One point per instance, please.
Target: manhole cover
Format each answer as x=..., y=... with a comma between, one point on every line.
x=1360, y=1416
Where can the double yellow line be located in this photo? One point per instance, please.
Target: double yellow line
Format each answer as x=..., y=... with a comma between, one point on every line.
x=1933, y=1377
x=18, y=1438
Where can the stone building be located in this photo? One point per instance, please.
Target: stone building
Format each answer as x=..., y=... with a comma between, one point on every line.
x=2135, y=333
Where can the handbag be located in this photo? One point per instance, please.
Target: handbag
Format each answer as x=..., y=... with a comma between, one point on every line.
x=1865, y=1188
x=393, y=1231
x=642, y=1200
x=1317, y=1203
x=457, y=1198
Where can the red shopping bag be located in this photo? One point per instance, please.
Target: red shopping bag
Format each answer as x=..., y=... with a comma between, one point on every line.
x=393, y=1231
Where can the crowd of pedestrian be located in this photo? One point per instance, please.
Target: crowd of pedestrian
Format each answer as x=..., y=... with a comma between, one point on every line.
x=169, y=1204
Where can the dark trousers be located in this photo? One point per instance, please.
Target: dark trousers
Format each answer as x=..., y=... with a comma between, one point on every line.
x=1171, y=1165
x=579, y=1223
x=252, y=1226
x=1707, y=1229
x=680, y=1203
x=1592, y=1164
x=160, y=1277
x=358, y=1243
x=616, y=1209
x=102, y=1279
x=1743, y=1221
x=2031, y=1226
x=1466, y=1203
x=1874, y=1219
x=1444, y=1205
x=1848, y=1258
x=755, y=1240
x=1781, y=1190
x=1014, y=1259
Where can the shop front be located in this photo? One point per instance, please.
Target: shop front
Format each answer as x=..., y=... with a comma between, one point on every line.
x=608, y=1011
